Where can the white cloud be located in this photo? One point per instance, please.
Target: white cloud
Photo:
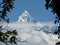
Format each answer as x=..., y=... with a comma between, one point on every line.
x=29, y=36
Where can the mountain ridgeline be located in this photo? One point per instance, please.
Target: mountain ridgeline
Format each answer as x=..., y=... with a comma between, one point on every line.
x=32, y=32
x=25, y=17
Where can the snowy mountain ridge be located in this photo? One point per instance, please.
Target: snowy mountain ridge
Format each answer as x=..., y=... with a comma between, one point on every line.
x=34, y=33
x=25, y=17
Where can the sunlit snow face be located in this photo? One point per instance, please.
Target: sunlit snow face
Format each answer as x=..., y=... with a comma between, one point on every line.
x=25, y=13
x=25, y=17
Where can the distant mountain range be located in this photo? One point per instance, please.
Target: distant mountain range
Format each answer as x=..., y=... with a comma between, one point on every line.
x=32, y=32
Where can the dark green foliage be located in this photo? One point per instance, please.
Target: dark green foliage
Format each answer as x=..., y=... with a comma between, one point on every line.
x=58, y=43
x=11, y=35
x=5, y=7
x=12, y=39
x=55, y=6
x=8, y=36
x=58, y=31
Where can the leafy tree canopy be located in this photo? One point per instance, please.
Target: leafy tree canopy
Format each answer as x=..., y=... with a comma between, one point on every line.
x=5, y=6
x=8, y=36
x=55, y=6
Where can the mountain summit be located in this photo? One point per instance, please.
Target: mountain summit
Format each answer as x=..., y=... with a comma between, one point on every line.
x=25, y=17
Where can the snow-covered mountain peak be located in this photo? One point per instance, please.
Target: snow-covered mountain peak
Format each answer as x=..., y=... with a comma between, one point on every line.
x=25, y=17
x=25, y=13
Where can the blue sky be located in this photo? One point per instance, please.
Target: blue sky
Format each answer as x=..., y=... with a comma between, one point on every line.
x=36, y=9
